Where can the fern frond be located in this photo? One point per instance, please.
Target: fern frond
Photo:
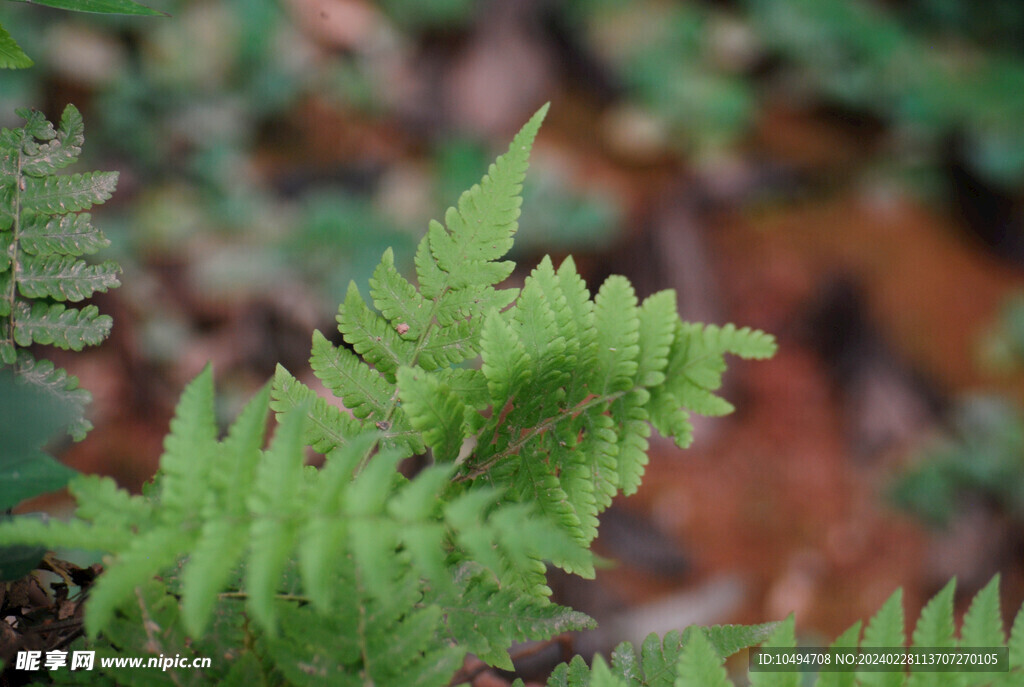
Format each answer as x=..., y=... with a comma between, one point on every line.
x=41, y=238
x=481, y=229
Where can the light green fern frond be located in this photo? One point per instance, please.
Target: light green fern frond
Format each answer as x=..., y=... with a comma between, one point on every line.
x=220, y=505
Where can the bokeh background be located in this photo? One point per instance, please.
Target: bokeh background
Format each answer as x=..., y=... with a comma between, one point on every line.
x=845, y=174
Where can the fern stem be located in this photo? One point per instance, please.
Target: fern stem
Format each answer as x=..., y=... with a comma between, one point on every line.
x=298, y=598
x=515, y=446
x=12, y=290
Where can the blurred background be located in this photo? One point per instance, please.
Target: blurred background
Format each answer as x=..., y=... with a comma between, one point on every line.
x=845, y=174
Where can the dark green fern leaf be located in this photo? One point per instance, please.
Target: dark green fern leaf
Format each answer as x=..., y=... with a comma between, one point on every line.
x=71, y=193
x=64, y=278
x=61, y=235
x=54, y=324
x=41, y=239
x=58, y=382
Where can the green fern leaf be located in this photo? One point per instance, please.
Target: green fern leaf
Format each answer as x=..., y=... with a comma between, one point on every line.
x=846, y=641
x=322, y=540
x=660, y=658
x=506, y=364
x=363, y=390
x=469, y=385
x=63, y=148
x=189, y=447
x=885, y=630
x=983, y=627
x=223, y=540
x=70, y=193
x=983, y=622
x=221, y=544
x=60, y=384
x=326, y=427
x=398, y=300
x=534, y=322
x=39, y=252
x=617, y=321
x=576, y=673
x=670, y=418
x=782, y=637
x=631, y=416
x=434, y=410
x=728, y=639
x=1016, y=643
x=747, y=343
x=581, y=310
x=934, y=629
x=61, y=235
x=656, y=331
x=64, y=278
x=481, y=229
x=372, y=336
x=66, y=328
x=277, y=510
x=700, y=665
x=449, y=345
x=101, y=6
x=107, y=507
x=149, y=552
x=373, y=643
x=602, y=676
x=11, y=54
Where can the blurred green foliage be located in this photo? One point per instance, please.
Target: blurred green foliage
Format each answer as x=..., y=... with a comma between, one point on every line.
x=926, y=68
x=981, y=461
x=982, y=457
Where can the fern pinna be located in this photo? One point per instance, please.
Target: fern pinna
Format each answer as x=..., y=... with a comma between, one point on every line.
x=353, y=573
x=43, y=234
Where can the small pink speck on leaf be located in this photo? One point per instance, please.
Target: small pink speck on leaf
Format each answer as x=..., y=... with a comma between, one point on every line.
x=402, y=328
